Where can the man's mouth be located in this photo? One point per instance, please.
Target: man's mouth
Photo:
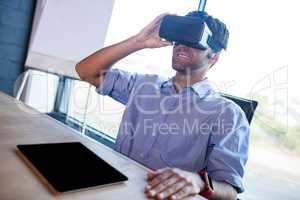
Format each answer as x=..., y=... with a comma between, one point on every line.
x=183, y=55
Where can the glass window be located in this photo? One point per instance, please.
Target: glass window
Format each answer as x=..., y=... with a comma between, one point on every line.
x=77, y=106
x=40, y=90
x=259, y=64
x=104, y=114
x=258, y=30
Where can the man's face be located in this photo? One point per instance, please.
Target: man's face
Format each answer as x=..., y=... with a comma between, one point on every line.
x=187, y=59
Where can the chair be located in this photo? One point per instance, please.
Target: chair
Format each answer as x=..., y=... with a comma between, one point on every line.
x=248, y=106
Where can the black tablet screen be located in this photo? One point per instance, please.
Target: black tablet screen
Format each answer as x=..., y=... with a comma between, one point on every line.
x=70, y=166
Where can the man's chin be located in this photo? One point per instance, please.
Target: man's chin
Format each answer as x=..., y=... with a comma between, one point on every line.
x=184, y=69
x=180, y=68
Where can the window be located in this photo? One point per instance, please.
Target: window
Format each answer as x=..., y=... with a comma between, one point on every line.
x=258, y=65
x=40, y=90
x=104, y=114
x=78, y=100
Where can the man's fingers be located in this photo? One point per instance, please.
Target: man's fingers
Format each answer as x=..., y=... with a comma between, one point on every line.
x=165, y=184
x=155, y=22
x=186, y=191
x=159, y=18
x=152, y=174
x=159, y=178
x=154, y=30
x=165, y=43
x=173, y=189
x=166, y=191
x=173, y=184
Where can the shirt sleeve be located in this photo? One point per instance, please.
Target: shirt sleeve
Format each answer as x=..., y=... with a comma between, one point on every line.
x=228, y=147
x=118, y=84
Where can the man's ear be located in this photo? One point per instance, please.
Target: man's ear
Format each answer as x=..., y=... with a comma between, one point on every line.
x=213, y=58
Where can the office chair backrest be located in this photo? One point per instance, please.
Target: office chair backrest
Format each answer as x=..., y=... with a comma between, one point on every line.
x=248, y=106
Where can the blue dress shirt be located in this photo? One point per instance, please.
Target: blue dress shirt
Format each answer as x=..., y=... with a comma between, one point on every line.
x=192, y=129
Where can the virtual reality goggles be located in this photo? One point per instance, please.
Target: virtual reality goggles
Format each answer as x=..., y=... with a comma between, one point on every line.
x=190, y=31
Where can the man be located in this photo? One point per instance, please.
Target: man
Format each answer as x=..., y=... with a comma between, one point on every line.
x=195, y=140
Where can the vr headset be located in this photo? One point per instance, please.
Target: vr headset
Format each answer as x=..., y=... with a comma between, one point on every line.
x=190, y=31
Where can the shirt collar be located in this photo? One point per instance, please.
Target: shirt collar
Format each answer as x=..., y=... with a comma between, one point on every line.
x=167, y=83
x=202, y=88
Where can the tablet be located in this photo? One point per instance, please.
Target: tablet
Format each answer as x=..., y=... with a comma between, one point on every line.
x=69, y=166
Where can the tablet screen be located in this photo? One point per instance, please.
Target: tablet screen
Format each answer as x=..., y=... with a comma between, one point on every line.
x=70, y=166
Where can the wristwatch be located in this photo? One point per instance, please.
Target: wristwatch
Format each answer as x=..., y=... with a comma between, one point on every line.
x=208, y=186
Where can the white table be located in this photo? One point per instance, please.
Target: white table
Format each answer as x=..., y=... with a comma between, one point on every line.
x=20, y=124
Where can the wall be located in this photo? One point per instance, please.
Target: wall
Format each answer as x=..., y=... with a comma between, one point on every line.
x=15, y=26
x=64, y=33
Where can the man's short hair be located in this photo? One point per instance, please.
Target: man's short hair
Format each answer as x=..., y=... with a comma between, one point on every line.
x=219, y=30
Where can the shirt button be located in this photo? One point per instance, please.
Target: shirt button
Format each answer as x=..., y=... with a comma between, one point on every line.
x=141, y=155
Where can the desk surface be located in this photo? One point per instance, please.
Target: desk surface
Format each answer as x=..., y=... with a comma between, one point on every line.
x=20, y=124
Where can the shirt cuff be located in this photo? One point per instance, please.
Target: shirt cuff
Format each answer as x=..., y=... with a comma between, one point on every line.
x=230, y=178
x=108, y=83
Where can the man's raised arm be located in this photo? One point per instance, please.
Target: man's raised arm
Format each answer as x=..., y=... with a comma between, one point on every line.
x=92, y=69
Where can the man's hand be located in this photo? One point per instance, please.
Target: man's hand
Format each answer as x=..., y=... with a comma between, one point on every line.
x=174, y=183
x=149, y=36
